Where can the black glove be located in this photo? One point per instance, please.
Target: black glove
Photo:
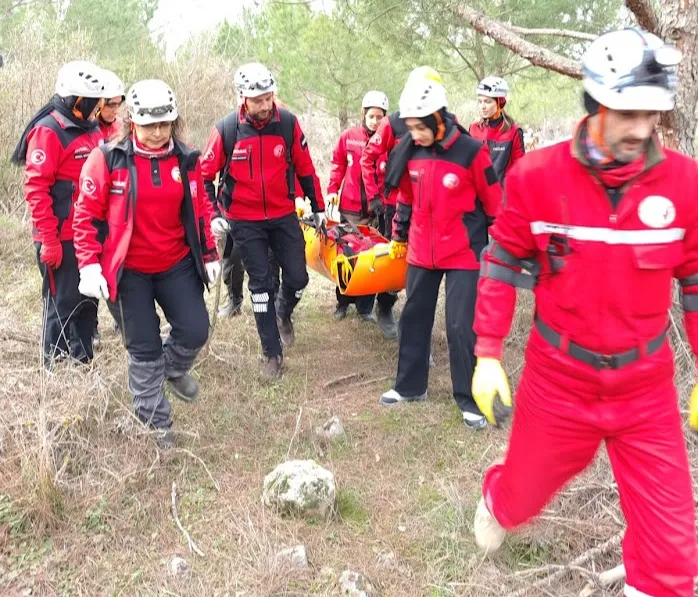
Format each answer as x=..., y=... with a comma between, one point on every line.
x=375, y=207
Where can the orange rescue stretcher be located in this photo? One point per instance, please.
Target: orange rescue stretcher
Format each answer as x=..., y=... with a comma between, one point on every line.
x=355, y=258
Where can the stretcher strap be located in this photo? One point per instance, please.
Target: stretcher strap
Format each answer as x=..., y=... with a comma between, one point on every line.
x=690, y=302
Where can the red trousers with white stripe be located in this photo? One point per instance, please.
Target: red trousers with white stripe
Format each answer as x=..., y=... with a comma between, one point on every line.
x=556, y=432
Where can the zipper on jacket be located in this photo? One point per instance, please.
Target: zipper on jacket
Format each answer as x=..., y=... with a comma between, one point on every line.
x=261, y=171
x=431, y=212
x=249, y=161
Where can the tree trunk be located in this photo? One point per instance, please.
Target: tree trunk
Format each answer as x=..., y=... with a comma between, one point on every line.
x=678, y=24
x=343, y=118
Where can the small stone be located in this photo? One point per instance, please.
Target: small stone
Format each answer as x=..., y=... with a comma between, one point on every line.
x=331, y=430
x=292, y=557
x=26, y=592
x=354, y=584
x=179, y=566
x=402, y=528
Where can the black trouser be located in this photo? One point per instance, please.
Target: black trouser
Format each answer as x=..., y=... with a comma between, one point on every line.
x=180, y=293
x=234, y=273
x=417, y=321
x=386, y=300
x=68, y=317
x=285, y=239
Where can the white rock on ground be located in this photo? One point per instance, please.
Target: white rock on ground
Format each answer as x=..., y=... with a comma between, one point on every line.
x=354, y=584
x=292, y=557
x=179, y=567
x=331, y=430
x=300, y=487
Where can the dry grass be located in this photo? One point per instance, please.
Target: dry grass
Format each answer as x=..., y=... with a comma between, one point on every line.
x=85, y=497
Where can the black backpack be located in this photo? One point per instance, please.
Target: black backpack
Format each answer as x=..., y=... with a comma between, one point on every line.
x=287, y=121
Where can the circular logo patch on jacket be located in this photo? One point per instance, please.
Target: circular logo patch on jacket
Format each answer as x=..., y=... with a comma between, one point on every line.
x=279, y=151
x=656, y=211
x=376, y=139
x=450, y=181
x=38, y=157
x=350, y=159
x=88, y=185
x=382, y=167
x=208, y=156
x=176, y=175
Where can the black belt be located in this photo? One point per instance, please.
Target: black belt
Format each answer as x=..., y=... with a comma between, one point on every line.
x=596, y=360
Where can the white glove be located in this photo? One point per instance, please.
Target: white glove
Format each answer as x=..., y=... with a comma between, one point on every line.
x=213, y=270
x=92, y=282
x=320, y=219
x=332, y=199
x=219, y=227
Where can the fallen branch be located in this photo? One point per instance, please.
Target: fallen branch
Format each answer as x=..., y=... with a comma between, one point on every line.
x=215, y=484
x=341, y=380
x=298, y=423
x=190, y=542
x=369, y=382
x=561, y=570
x=603, y=580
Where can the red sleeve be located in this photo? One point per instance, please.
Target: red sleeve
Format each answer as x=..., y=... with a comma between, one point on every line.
x=206, y=213
x=518, y=150
x=487, y=185
x=339, y=165
x=687, y=274
x=496, y=301
x=305, y=170
x=381, y=142
x=43, y=154
x=212, y=162
x=92, y=204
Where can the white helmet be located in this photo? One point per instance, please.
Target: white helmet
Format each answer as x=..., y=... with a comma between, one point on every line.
x=422, y=98
x=375, y=99
x=254, y=79
x=113, y=86
x=80, y=78
x=631, y=69
x=424, y=73
x=493, y=87
x=151, y=101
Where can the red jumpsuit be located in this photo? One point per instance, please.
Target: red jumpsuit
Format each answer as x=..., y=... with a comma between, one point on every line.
x=598, y=366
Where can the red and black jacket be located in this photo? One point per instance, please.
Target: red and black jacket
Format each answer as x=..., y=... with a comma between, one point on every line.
x=506, y=147
x=256, y=185
x=108, y=201
x=56, y=150
x=445, y=199
x=346, y=172
x=374, y=157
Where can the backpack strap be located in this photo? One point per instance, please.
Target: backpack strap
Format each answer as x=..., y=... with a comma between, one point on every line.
x=230, y=137
x=287, y=121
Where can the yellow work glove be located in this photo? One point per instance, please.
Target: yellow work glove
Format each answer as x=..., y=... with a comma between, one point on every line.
x=693, y=409
x=397, y=250
x=332, y=199
x=491, y=390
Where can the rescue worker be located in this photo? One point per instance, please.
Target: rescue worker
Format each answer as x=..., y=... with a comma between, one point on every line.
x=54, y=147
x=447, y=190
x=354, y=205
x=142, y=236
x=374, y=160
x=113, y=99
x=257, y=198
x=495, y=127
x=603, y=238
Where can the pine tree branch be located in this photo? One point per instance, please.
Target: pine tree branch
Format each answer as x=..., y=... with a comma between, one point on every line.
x=499, y=32
x=555, y=32
x=644, y=14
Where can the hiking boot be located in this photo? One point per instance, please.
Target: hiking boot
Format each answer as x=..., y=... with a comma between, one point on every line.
x=340, y=312
x=387, y=324
x=230, y=308
x=368, y=317
x=391, y=398
x=474, y=421
x=165, y=438
x=271, y=367
x=286, y=333
x=489, y=534
x=185, y=388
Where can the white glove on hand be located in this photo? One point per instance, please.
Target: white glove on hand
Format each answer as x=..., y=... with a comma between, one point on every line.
x=213, y=270
x=332, y=199
x=219, y=227
x=320, y=219
x=92, y=282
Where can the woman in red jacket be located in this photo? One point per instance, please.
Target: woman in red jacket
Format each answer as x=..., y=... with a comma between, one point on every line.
x=503, y=136
x=448, y=189
x=356, y=206
x=143, y=235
